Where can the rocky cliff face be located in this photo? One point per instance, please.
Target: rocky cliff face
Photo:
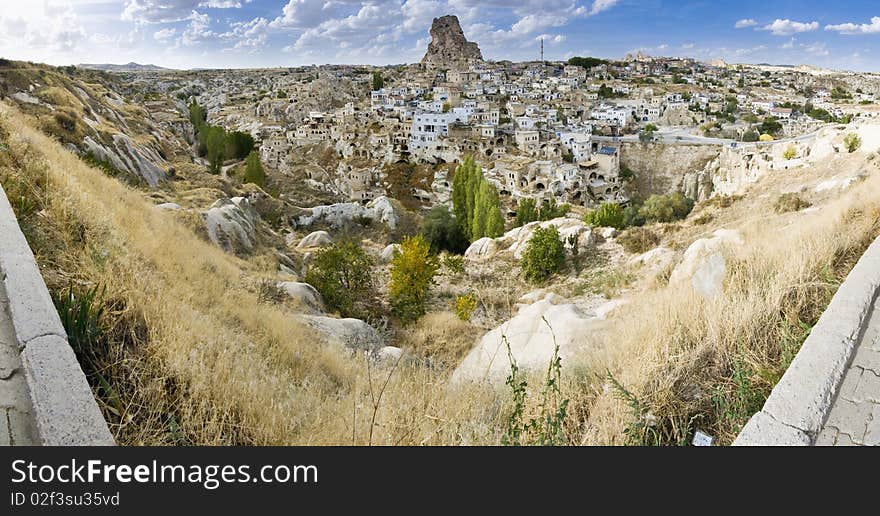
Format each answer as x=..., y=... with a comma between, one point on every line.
x=448, y=45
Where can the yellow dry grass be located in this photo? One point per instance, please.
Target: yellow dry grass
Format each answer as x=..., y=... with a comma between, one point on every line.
x=234, y=371
x=247, y=372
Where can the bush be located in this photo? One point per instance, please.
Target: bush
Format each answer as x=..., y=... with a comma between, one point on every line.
x=751, y=136
x=342, y=274
x=253, y=171
x=790, y=153
x=666, y=208
x=453, y=263
x=443, y=232
x=638, y=240
x=465, y=306
x=790, y=202
x=526, y=212
x=412, y=274
x=544, y=254
x=852, y=142
x=632, y=217
x=609, y=215
x=550, y=210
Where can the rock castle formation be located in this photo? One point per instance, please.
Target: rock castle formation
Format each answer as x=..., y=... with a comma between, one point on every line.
x=448, y=45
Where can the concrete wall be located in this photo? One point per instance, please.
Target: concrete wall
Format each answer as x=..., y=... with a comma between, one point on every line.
x=64, y=408
x=797, y=407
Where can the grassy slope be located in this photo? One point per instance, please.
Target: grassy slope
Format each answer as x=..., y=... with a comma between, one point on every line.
x=193, y=358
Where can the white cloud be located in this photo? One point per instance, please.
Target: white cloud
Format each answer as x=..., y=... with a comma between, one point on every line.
x=688, y=46
x=787, y=27
x=789, y=45
x=47, y=25
x=164, y=34
x=747, y=22
x=165, y=11
x=602, y=5
x=852, y=29
x=197, y=31
x=816, y=49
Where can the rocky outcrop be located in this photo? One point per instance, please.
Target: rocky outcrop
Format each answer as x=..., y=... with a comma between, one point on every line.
x=704, y=263
x=315, y=239
x=532, y=336
x=571, y=231
x=232, y=224
x=448, y=45
x=380, y=209
x=349, y=333
x=303, y=294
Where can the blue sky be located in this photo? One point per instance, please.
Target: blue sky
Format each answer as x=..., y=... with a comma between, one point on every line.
x=257, y=33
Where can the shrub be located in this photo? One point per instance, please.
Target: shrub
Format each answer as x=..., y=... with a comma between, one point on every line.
x=666, y=208
x=526, y=212
x=632, y=217
x=544, y=254
x=342, y=274
x=550, y=210
x=609, y=215
x=253, y=171
x=443, y=232
x=790, y=202
x=638, y=240
x=465, y=306
x=453, y=263
x=65, y=121
x=751, y=136
x=852, y=142
x=790, y=153
x=412, y=274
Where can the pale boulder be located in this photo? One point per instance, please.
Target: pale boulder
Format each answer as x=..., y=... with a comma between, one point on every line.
x=231, y=224
x=304, y=294
x=481, y=249
x=348, y=333
x=704, y=264
x=315, y=239
x=530, y=335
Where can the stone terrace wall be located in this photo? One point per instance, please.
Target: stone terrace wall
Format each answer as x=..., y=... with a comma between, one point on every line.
x=64, y=408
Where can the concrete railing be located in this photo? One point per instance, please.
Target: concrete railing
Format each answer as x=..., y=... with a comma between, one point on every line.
x=64, y=408
x=798, y=406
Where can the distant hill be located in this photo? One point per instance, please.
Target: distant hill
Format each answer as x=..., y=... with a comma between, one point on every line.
x=130, y=67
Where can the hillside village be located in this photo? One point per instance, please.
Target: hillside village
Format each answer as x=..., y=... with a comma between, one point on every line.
x=651, y=174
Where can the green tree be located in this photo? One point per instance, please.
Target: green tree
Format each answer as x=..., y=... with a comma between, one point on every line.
x=526, y=212
x=253, y=170
x=215, y=144
x=412, y=274
x=666, y=208
x=378, y=81
x=544, y=254
x=475, y=202
x=342, y=274
x=443, y=232
x=608, y=215
x=238, y=145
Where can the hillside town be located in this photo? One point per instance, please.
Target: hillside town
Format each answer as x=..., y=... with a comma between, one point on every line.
x=542, y=129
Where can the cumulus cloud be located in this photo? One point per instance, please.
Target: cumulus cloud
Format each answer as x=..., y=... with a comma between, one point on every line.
x=164, y=34
x=788, y=27
x=166, y=11
x=852, y=29
x=747, y=22
x=50, y=25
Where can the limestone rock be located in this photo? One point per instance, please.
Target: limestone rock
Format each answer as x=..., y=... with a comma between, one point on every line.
x=531, y=342
x=481, y=249
x=305, y=294
x=388, y=253
x=315, y=239
x=380, y=209
x=349, y=333
x=703, y=262
x=449, y=45
x=231, y=224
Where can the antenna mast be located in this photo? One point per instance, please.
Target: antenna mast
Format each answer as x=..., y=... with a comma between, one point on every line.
x=542, y=50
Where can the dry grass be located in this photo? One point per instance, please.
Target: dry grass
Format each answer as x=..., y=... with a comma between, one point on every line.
x=196, y=358
x=709, y=364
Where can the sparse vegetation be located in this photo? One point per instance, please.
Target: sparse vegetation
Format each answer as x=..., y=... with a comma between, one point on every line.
x=790, y=202
x=464, y=306
x=412, y=275
x=852, y=142
x=638, y=240
x=608, y=215
x=544, y=255
x=666, y=208
x=341, y=273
